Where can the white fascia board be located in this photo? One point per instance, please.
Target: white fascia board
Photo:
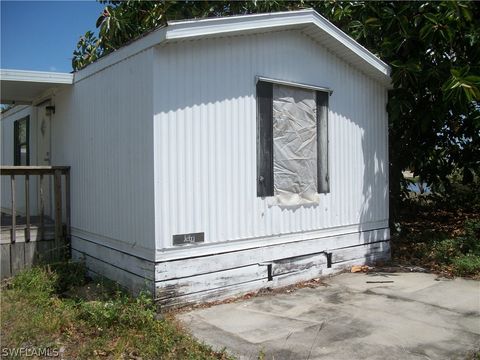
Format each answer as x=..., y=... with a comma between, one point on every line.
x=177, y=30
x=241, y=23
x=36, y=76
x=189, y=29
x=351, y=44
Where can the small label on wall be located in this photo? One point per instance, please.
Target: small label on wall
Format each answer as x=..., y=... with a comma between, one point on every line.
x=185, y=239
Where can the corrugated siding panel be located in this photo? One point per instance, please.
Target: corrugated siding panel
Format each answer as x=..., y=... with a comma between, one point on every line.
x=102, y=128
x=205, y=138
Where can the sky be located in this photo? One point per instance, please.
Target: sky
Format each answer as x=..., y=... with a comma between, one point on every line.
x=41, y=35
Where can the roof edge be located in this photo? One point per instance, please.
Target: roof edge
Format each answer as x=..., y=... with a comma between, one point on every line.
x=185, y=29
x=36, y=76
x=196, y=28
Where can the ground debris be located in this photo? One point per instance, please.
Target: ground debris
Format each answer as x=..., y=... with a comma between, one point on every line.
x=360, y=268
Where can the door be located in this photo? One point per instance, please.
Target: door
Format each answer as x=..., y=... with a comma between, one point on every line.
x=44, y=154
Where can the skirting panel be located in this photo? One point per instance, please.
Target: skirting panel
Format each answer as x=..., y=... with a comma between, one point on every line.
x=220, y=275
x=225, y=274
x=133, y=273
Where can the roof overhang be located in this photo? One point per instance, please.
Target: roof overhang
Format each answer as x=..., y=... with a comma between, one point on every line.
x=309, y=22
x=23, y=87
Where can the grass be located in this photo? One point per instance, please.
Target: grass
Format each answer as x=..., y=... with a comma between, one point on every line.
x=56, y=307
x=440, y=234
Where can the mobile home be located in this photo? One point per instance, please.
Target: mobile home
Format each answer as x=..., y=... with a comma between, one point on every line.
x=218, y=156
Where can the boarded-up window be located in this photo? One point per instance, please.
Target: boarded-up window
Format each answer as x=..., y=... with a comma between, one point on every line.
x=21, y=151
x=292, y=143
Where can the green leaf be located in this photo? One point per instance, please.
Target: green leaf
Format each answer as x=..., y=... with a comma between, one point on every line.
x=432, y=18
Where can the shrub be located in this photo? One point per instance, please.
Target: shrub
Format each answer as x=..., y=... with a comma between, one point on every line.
x=69, y=275
x=466, y=265
x=470, y=242
x=445, y=251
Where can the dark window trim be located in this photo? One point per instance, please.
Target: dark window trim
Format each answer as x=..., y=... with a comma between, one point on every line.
x=264, y=96
x=264, y=139
x=294, y=84
x=323, y=183
x=17, y=145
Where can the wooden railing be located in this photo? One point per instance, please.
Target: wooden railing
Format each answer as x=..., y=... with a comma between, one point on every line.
x=62, y=230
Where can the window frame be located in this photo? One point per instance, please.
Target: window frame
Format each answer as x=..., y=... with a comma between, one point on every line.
x=264, y=99
x=17, y=145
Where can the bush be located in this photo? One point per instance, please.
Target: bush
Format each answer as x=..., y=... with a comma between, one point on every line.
x=466, y=265
x=470, y=242
x=459, y=196
x=69, y=275
x=462, y=252
x=445, y=251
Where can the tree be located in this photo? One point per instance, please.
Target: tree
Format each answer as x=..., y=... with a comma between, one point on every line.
x=433, y=47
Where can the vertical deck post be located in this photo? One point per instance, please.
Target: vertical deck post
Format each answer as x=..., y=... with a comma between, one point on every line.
x=67, y=206
x=42, y=210
x=27, y=207
x=57, y=184
x=14, y=227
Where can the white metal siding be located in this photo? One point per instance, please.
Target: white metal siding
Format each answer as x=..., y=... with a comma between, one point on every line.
x=205, y=138
x=102, y=128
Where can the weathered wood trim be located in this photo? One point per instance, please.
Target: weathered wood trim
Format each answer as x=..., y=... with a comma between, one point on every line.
x=32, y=170
x=173, y=288
x=222, y=275
x=14, y=214
x=24, y=247
x=98, y=268
x=42, y=206
x=194, y=264
x=5, y=264
x=208, y=277
x=115, y=244
x=198, y=250
x=57, y=184
x=17, y=256
x=128, y=262
x=27, y=207
x=21, y=234
x=212, y=294
x=68, y=219
x=290, y=278
x=356, y=252
x=299, y=264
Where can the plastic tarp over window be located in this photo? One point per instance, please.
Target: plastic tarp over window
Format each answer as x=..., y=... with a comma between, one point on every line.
x=294, y=146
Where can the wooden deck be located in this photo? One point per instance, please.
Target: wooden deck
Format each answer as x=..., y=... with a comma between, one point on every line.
x=34, y=239
x=21, y=230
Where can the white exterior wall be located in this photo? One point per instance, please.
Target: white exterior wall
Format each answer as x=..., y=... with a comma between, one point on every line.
x=7, y=136
x=205, y=140
x=102, y=128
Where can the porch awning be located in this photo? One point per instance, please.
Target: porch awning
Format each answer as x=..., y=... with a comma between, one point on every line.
x=23, y=87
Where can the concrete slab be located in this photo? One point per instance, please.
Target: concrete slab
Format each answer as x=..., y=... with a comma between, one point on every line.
x=417, y=316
